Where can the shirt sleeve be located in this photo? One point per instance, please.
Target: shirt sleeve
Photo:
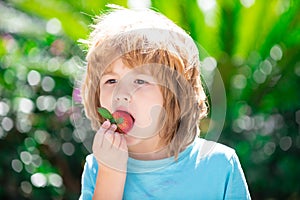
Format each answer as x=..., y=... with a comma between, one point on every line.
x=88, y=178
x=237, y=187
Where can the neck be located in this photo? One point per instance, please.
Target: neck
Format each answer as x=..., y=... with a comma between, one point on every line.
x=153, y=148
x=156, y=154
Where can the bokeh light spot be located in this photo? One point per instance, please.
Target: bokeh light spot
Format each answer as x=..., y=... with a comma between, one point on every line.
x=46, y=103
x=209, y=64
x=276, y=53
x=206, y=5
x=26, y=187
x=4, y=108
x=266, y=67
x=26, y=91
x=30, y=168
x=7, y=124
x=17, y=165
x=53, y=26
x=239, y=81
x=53, y=64
x=24, y=124
x=269, y=148
x=9, y=76
x=259, y=77
x=33, y=78
x=63, y=104
x=36, y=160
x=38, y=180
x=55, y=180
x=41, y=136
x=247, y=3
x=245, y=123
x=22, y=72
x=68, y=148
x=26, y=157
x=66, y=134
x=285, y=143
x=48, y=84
x=25, y=105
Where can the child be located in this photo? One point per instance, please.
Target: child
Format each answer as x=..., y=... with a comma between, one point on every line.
x=141, y=63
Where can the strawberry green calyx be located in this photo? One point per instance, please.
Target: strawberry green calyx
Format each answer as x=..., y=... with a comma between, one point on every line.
x=107, y=115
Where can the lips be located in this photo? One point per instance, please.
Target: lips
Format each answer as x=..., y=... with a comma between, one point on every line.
x=124, y=121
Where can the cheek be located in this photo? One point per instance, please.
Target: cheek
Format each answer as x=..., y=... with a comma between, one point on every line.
x=156, y=98
x=148, y=96
x=105, y=99
x=150, y=107
x=153, y=94
x=148, y=122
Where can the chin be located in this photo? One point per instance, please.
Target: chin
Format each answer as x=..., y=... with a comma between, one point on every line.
x=131, y=141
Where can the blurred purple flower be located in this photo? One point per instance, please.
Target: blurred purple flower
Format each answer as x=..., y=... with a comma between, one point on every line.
x=76, y=95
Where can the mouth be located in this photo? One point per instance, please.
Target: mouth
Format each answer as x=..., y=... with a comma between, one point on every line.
x=126, y=113
x=124, y=119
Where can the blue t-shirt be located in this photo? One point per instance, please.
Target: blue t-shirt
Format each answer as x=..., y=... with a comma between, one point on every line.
x=204, y=170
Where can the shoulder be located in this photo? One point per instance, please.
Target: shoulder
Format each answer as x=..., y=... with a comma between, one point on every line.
x=90, y=159
x=91, y=164
x=90, y=171
x=219, y=169
x=212, y=152
x=88, y=178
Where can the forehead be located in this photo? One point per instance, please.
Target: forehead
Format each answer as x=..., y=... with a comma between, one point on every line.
x=121, y=65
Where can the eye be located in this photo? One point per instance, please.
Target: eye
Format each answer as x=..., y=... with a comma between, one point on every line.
x=140, y=81
x=111, y=81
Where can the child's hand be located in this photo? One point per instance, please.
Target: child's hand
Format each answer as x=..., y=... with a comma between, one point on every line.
x=110, y=148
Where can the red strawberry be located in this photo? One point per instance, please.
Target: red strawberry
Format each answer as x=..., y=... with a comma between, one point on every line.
x=124, y=119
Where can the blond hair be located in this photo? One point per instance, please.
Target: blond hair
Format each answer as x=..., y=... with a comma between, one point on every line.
x=142, y=37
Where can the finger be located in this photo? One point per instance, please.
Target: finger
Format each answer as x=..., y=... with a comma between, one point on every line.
x=103, y=128
x=117, y=140
x=123, y=143
x=99, y=137
x=106, y=124
x=98, y=141
x=109, y=137
x=110, y=134
x=113, y=127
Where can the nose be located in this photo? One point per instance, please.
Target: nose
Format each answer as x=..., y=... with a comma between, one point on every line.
x=123, y=97
x=123, y=93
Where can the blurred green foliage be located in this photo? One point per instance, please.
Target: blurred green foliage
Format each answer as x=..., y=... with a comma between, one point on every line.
x=257, y=48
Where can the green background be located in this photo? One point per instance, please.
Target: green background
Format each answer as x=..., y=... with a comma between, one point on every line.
x=43, y=139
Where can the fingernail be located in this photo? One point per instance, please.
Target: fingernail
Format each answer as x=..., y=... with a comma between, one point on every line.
x=113, y=127
x=106, y=124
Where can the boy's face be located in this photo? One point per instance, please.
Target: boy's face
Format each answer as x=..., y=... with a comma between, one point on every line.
x=137, y=93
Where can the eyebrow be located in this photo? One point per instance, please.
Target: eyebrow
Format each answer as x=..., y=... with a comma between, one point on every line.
x=108, y=72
